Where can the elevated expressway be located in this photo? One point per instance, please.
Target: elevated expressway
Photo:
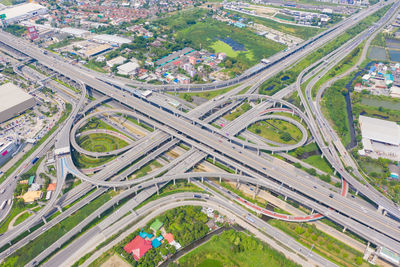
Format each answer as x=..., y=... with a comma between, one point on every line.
x=320, y=123
x=208, y=142
x=183, y=130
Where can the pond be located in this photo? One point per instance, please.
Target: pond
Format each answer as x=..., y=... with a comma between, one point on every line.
x=394, y=55
x=235, y=45
x=284, y=78
x=393, y=43
x=380, y=103
x=377, y=53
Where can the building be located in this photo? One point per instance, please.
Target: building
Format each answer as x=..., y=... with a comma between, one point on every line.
x=97, y=50
x=129, y=68
x=31, y=180
x=169, y=237
x=156, y=225
x=377, y=130
x=6, y=151
x=52, y=187
x=31, y=196
x=75, y=32
x=138, y=247
x=14, y=101
x=115, y=61
x=32, y=33
x=111, y=39
x=21, y=12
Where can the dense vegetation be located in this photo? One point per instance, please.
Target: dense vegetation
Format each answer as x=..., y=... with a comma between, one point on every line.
x=324, y=244
x=16, y=30
x=334, y=104
x=232, y=248
x=289, y=76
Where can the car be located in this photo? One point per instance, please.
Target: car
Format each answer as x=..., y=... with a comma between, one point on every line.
x=331, y=195
x=315, y=187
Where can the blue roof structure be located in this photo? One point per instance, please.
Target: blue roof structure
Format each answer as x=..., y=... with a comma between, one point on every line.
x=155, y=243
x=143, y=235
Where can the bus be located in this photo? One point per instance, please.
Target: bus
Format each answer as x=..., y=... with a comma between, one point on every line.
x=35, y=160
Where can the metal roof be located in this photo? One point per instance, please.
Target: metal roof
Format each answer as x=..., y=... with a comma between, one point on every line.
x=12, y=95
x=20, y=10
x=380, y=130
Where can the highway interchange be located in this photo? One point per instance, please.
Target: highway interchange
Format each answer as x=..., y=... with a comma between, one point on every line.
x=173, y=126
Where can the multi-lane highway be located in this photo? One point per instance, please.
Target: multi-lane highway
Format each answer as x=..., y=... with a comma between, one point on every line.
x=174, y=126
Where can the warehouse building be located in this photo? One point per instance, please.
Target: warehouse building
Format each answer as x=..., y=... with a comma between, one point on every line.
x=111, y=39
x=382, y=131
x=14, y=101
x=21, y=12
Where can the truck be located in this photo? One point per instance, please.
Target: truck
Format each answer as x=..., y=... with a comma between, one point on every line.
x=35, y=160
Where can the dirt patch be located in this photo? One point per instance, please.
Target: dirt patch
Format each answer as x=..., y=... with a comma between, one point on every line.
x=115, y=261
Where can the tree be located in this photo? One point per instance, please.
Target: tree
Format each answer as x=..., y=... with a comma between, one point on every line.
x=285, y=137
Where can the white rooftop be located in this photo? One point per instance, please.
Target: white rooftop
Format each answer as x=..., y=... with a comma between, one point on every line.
x=20, y=10
x=74, y=31
x=11, y=95
x=380, y=130
x=128, y=67
x=111, y=39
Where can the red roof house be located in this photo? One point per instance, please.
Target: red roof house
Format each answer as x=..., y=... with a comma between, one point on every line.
x=138, y=247
x=52, y=187
x=169, y=237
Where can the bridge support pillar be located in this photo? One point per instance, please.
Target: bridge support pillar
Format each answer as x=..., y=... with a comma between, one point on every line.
x=174, y=182
x=285, y=198
x=334, y=172
x=237, y=183
x=158, y=191
x=344, y=229
x=97, y=186
x=202, y=179
x=258, y=152
x=356, y=192
x=214, y=159
x=220, y=179
x=312, y=211
x=322, y=156
x=188, y=180
x=44, y=220
x=59, y=208
x=236, y=170
x=115, y=189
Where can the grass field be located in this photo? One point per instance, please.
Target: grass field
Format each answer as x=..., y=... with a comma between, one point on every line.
x=324, y=244
x=205, y=34
x=147, y=169
x=232, y=248
x=101, y=142
x=238, y=112
x=208, y=94
x=13, y=213
x=95, y=67
x=273, y=130
x=220, y=46
x=84, y=162
x=319, y=163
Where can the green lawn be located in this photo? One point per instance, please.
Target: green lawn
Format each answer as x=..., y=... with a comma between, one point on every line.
x=232, y=248
x=274, y=130
x=101, y=142
x=22, y=218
